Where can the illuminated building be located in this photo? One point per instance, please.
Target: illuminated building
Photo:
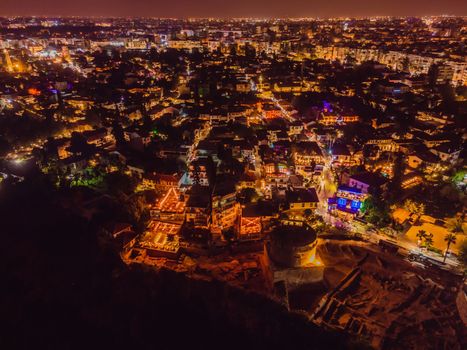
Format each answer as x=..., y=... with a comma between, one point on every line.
x=171, y=207
x=99, y=137
x=270, y=111
x=198, y=172
x=198, y=208
x=368, y=182
x=254, y=218
x=301, y=199
x=136, y=45
x=276, y=174
x=443, y=73
x=162, y=182
x=66, y=54
x=290, y=259
x=161, y=239
x=328, y=118
x=410, y=180
x=306, y=154
x=62, y=148
x=425, y=160
x=384, y=144
x=247, y=180
x=225, y=209
x=8, y=63
x=184, y=44
x=393, y=89
x=291, y=86
x=341, y=156
x=250, y=227
x=295, y=128
x=347, y=202
x=350, y=119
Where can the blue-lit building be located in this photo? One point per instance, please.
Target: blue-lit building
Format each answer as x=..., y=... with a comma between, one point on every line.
x=347, y=202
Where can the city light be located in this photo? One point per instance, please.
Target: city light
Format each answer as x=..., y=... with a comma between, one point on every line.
x=194, y=174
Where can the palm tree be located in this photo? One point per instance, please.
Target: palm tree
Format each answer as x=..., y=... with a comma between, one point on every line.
x=421, y=234
x=451, y=239
x=455, y=225
x=428, y=240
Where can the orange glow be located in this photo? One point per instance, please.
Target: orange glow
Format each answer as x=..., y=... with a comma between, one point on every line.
x=313, y=260
x=317, y=262
x=34, y=92
x=250, y=226
x=171, y=202
x=157, y=236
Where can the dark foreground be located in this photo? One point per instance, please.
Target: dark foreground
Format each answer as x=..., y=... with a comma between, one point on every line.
x=63, y=288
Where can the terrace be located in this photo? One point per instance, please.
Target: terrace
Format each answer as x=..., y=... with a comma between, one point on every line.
x=161, y=239
x=171, y=207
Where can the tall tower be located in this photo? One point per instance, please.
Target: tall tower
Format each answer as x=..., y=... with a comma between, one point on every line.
x=8, y=63
x=66, y=54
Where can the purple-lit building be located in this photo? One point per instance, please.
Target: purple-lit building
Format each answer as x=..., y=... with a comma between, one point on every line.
x=347, y=202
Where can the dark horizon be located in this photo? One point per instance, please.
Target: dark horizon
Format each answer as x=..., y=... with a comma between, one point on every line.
x=238, y=9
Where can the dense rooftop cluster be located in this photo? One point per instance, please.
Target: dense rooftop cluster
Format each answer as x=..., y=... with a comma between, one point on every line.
x=186, y=138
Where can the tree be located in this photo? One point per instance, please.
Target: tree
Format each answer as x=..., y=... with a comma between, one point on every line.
x=414, y=207
x=399, y=168
x=119, y=182
x=455, y=225
x=249, y=195
x=51, y=149
x=376, y=211
x=428, y=240
x=462, y=257
x=449, y=192
x=147, y=121
x=79, y=144
x=421, y=234
x=433, y=72
x=136, y=210
x=93, y=118
x=118, y=134
x=307, y=213
x=450, y=238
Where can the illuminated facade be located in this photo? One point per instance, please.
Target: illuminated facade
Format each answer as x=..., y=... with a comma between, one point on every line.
x=290, y=257
x=171, y=207
x=161, y=239
x=198, y=208
x=347, y=202
x=301, y=199
x=225, y=209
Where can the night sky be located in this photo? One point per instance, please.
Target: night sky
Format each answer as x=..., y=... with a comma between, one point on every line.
x=232, y=8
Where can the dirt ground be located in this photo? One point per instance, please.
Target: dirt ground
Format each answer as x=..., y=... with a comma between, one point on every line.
x=388, y=301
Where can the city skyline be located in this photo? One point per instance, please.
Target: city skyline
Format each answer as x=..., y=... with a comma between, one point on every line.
x=244, y=183
x=240, y=9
